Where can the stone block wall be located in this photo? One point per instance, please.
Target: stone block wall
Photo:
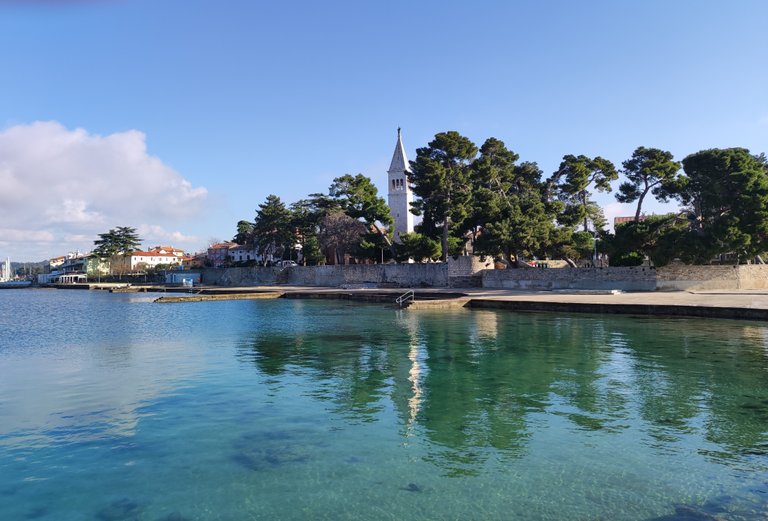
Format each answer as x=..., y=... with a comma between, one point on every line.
x=753, y=276
x=681, y=277
x=396, y=275
x=537, y=279
x=468, y=265
x=469, y=272
x=256, y=276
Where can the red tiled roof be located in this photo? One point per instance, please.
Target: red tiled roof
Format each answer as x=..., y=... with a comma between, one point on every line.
x=221, y=245
x=151, y=254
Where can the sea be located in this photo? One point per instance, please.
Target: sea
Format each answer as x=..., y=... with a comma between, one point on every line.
x=114, y=407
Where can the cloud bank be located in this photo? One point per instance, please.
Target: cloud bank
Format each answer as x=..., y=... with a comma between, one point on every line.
x=59, y=188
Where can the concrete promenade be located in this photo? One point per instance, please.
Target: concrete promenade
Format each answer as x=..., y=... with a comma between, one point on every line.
x=734, y=304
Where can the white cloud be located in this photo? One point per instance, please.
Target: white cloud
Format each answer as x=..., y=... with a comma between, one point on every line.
x=8, y=235
x=155, y=235
x=61, y=185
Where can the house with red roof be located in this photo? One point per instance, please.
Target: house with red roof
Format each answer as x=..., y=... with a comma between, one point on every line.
x=141, y=260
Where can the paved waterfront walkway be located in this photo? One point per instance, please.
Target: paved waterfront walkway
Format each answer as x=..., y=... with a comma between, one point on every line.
x=715, y=304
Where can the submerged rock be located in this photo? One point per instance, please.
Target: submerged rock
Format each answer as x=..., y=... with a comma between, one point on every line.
x=174, y=516
x=120, y=510
x=412, y=487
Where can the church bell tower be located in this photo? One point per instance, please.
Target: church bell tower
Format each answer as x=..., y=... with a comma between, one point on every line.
x=400, y=194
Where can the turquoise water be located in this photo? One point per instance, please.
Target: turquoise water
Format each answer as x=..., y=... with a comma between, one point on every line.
x=115, y=408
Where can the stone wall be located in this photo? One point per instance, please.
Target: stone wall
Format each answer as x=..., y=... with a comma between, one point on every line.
x=460, y=272
x=620, y=278
x=257, y=276
x=470, y=272
x=677, y=277
x=395, y=275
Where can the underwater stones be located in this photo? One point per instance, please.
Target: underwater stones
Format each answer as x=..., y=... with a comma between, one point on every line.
x=120, y=510
x=36, y=513
x=412, y=487
x=264, y=457
x=174, y=516
x=264, y=450
x=687, y=513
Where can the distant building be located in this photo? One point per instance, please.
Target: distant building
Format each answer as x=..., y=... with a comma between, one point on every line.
x=218, y=253
x=55, y=262
x=168, y=249
x=400, y=194
x=240, y=253
x=622, y=220
x=182, y=278
x=141, y=260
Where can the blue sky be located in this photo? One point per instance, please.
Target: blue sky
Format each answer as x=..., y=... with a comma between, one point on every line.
x=180, y=117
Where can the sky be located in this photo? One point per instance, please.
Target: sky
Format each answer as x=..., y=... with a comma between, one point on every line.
x=179, y=118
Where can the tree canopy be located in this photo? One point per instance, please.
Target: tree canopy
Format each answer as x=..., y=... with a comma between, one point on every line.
x=509, y=209
x=726, y=191
x=571, y=184
x=117, y=241
x=272, y=232
x=486, y=202
x=440, y=177
x=649, y=170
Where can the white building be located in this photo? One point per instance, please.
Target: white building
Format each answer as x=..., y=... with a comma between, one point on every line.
x=400, y=194
x=140, y=260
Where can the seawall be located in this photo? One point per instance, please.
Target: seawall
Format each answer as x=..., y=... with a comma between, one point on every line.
x=469, y=272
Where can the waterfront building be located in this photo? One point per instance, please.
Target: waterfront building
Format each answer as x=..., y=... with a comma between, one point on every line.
x=140, y=260
x=55, y=262
x=241, y=253
x=400, y=195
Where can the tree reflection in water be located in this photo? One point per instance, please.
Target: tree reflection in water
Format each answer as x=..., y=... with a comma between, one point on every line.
x=476, y=384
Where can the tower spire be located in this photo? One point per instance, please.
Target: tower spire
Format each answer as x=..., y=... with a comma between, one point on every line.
x=399, y=159
x=400, y=195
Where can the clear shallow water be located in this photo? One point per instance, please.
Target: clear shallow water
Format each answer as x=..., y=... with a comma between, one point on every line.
x=115, y=408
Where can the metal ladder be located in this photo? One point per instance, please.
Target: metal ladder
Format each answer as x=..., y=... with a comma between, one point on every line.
x=402, y=299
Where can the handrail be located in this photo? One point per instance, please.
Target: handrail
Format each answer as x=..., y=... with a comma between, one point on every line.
x=402, y=299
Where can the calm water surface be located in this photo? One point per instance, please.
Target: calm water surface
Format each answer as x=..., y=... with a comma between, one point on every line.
x=115, y=408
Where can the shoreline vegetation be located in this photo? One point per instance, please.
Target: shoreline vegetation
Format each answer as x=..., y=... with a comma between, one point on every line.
x=484, y=201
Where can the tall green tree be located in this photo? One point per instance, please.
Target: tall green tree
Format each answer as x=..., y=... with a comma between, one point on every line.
x=509, y=206
x=117, y=241
x=358, y=197
x=661, y=238
x=440, y=179
x=272, y=232
x=418, y=247
x=726, y=191
x=244, y=233
x=649, y=170
x=305, y=220
x=572, y=184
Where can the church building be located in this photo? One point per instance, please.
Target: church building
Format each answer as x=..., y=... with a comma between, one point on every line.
x=400, y=194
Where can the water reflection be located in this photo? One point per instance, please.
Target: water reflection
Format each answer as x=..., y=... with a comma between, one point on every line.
x=478, y=385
